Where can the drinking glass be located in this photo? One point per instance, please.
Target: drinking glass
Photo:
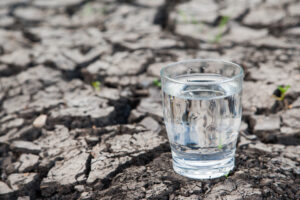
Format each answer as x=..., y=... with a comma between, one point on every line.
x=202, y=113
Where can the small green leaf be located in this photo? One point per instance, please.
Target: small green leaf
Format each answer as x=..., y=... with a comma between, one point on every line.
x=87, y=9
x=96, y=85
x=157, y=83
x=217, y=38
x=220, y=146
x=224, y=20
x=283, y=90
x=226, y=175
x=183, y=15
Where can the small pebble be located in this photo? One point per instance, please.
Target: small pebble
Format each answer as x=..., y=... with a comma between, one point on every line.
x=40, y=121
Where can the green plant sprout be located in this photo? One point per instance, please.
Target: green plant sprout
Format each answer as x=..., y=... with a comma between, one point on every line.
x=283, y=91
x=190, y=19
x=220, y=146
x=96, y=85
x=157, y=83
x=87, y=9
x=183, y=15
x=224, y=20
x=226, y=175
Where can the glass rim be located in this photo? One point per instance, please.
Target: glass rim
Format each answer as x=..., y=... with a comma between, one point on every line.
x=163, y=75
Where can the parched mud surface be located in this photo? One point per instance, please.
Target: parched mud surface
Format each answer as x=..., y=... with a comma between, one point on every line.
x=62, y=138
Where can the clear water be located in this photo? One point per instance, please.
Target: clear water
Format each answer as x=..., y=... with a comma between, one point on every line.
x=202, y=123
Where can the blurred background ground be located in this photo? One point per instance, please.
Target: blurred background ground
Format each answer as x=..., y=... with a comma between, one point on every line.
x=80, y=106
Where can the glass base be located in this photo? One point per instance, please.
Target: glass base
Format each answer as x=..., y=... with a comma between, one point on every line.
x=203, y=169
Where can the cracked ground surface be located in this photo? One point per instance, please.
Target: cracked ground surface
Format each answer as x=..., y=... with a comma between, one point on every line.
x=62, y=138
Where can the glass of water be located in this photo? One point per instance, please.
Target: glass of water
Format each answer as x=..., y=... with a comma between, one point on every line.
x=202, y=113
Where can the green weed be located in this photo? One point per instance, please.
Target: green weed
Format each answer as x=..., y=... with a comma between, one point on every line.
x=223, y=22
x=96, y=85
x=226, y=175
x=87, y=9
x=157, y=83
x=183, y=15
x=281, y=92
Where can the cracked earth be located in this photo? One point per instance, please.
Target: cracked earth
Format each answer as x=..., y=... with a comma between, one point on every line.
x=62, y=138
